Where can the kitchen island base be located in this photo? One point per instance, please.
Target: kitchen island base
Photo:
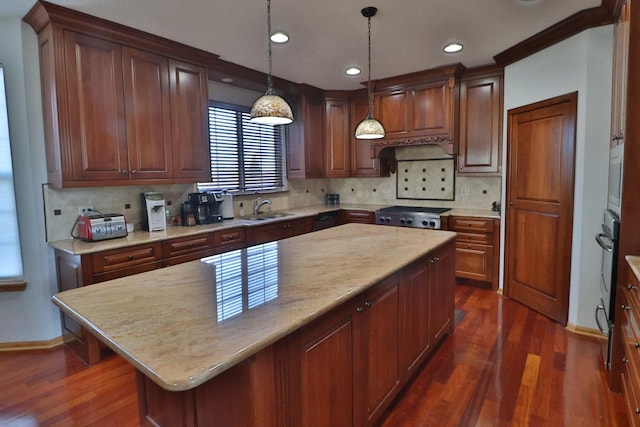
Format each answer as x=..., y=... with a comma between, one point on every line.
x=343, y=369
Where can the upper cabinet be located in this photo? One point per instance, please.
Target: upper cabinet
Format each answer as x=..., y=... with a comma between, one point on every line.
x=619, y=85
x=419, y=108
x=115, y=114
x=337, y=136
x=305, y=142
x=480, y=135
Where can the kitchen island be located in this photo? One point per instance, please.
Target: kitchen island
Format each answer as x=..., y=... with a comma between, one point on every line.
x=319, y=329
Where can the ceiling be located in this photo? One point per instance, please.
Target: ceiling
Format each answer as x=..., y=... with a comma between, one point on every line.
x=328, y=36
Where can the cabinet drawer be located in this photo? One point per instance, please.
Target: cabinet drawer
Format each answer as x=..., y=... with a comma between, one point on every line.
x=229, y=240
x=631, y=330
x=365, y=217
x=126, y=257
x=474, y=262
x=633, y=288
x=630, y=389
x=485, y=239
x=472, y=224
x=232, y=236
x=185, y=245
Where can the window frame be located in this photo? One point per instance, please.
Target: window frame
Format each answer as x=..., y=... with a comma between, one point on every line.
x=284, y=134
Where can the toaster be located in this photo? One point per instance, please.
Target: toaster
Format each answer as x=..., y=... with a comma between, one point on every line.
x=101, y=227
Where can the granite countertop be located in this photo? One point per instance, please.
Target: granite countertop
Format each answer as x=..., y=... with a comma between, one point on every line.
x=634, y=263
x=138, y=237
x=80, y=247
x=183, y=325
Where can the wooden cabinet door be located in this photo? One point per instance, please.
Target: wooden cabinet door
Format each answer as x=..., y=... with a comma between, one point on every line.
x=337, y=138
x=362, y=165
x=313, y=137
x=147, y=107
x=620, y=64
x=415, y=339
x=321, y=370
x=98, y=140
x=189, y=128
x=474, y=261
x=377, y=369
x=431, y=107
x=480, y=143
x=393, y=111
x=442, y=286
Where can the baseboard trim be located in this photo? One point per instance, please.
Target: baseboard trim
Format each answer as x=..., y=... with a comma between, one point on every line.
x=581, y=330
x=31, y=345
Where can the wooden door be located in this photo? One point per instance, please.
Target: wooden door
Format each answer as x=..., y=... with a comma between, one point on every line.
x=98, y=140
x=377, y=368
x=541, y=157
x=146, y=94
x=337, y=137
x=392, y=111
x=414, y=316
x=361, y=162
x=431, y=109
x=313, y=136
x=442, y=284
x=189, y=127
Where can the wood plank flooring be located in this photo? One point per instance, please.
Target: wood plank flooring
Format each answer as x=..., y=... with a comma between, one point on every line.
x=505, y=365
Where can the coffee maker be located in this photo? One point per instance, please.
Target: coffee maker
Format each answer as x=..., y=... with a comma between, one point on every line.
x=153, y=211
x=206, y=206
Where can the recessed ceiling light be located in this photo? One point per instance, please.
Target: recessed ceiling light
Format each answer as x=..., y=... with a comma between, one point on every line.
x=453, y=48
x=279, y=37
x=227, y=80
x=352, y=71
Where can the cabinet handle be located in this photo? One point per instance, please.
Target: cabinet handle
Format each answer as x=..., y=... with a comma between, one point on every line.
x=636, y=344
x=359, y=309
x=124, y=172
x=637, y=411
x=134, y=171
x=631, y=288
x=368, y=304
x=130, y=257
x=625, y=360
x=626, y=307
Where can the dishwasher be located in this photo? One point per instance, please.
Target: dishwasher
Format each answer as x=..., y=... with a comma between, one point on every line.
x=326, y=220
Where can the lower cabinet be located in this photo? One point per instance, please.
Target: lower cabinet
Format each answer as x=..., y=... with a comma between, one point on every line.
x=477, y=249
x=278, y=230
x=629, y=302
x=356, y=215
x=346, y=368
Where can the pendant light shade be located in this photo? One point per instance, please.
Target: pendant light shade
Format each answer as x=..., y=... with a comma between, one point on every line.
x=369, y=128
x=270, y=108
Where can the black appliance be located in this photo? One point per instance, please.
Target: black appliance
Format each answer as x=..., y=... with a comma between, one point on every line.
x=206, y=206
x=410, y=216
x=326, y=220
x=608, y=240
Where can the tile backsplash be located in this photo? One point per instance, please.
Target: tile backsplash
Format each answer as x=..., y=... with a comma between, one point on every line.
x=61, y=205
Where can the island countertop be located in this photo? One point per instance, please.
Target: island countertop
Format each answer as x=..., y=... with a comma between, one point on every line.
x=182, y=325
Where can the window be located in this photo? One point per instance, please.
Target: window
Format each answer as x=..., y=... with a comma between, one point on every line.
x=245, y=156
x=11, y=265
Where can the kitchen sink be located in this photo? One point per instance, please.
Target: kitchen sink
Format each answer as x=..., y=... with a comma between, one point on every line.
x=268, y=215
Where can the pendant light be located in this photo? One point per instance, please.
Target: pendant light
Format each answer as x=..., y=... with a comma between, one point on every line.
x=369, y=128
x=270, y=108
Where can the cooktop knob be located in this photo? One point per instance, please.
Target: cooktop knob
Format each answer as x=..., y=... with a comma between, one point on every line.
x=402, y=221
x=409, y=221
x=432, y=223
x=425, y=222
x=388, y=219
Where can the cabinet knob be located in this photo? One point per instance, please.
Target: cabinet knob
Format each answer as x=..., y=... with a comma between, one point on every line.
x=130, y=257
x=124, y=172
x=625, y=360
x=636, y=344
x=134, y=171
x=368, y=304
x=625, y=307
x=359, y=309
x=631, y=288
x=637, y=411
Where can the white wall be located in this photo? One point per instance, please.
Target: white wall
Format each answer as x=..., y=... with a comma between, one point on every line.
x=581, y=63
x=28, y=315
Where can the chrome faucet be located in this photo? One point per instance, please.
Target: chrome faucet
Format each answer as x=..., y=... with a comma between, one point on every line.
x=258, y=203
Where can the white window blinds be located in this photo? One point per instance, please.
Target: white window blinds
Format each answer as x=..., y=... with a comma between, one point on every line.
x=11, y=265
x=245, y=156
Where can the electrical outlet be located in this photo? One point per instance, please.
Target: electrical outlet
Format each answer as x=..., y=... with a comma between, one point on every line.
x=84, y=210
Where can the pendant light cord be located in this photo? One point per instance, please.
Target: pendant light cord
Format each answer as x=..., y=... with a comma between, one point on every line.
x=370, y=113
x=269, y=79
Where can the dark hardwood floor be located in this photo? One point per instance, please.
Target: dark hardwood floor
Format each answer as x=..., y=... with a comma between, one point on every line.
x=505, y=365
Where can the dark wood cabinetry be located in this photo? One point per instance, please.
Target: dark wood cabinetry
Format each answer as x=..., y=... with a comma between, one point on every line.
x=419, y=108
x=373, y=344
x=619, y=74
x=356, y=215
x=477, y=249
x=480, y=140
x=116, y=114
x=305, y=142
x=183, y=249
x=278, y=230
x=628, y=314
x=337, y=138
